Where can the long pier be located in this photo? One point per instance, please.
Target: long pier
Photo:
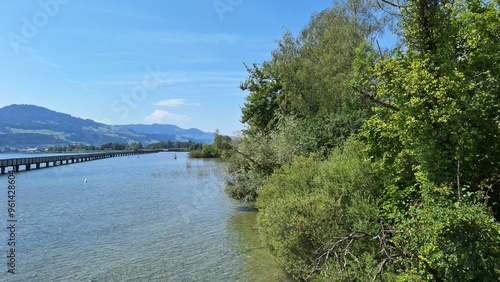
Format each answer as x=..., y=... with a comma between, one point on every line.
x=43, y=162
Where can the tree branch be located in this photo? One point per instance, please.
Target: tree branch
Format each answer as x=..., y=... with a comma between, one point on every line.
x=372, y=98
x=247, y=157
x=340, y=250
x=390, y=3
x=254, y=162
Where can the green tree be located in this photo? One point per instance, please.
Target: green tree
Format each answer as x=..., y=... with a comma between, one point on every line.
x=220, y=148
x=301, y=101
x=434, y=136
x=308, y=206
x=440, y=120
x=261, y=108
x=315, y=67
x=222, y=144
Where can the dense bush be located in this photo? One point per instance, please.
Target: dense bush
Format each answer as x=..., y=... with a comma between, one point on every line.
x=307, y=206
x=453, y=241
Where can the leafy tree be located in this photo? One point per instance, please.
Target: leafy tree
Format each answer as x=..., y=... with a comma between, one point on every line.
x=222, y=144
x=315, y=67
x=301, y=101
x=308, y=206
x=434, y=136
x=261, y=108
x=440, y=119
x=221, y=147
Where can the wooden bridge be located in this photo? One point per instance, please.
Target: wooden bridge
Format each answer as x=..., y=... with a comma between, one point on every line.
x=43, y=162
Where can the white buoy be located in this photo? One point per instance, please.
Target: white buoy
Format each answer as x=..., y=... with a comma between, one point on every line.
x=85, y=181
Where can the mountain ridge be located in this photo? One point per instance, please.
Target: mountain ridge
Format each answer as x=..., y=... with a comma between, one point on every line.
x=23, y=125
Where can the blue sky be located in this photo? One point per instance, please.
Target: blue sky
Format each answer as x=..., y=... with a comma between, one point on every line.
x=128, y=61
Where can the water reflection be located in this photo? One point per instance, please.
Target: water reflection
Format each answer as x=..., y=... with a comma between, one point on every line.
x=260, y=264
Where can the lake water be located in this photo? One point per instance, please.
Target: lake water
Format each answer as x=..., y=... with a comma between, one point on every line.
x=137, y=218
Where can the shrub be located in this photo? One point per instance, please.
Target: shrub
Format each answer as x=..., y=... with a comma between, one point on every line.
x=308, y=205
x=454, y=240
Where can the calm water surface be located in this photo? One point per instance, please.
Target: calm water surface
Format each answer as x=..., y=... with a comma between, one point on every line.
x=137, y=218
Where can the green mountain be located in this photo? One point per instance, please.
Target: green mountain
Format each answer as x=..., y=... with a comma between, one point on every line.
x=192, y=134
x=33, y=126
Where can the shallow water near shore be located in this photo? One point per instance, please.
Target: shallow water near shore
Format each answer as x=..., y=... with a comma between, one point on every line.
x=137, y=218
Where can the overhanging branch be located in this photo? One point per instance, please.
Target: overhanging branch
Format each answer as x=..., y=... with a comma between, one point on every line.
x=372, y=98
x=246, y=157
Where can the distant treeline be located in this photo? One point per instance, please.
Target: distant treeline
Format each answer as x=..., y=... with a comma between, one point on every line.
x=182, y=145
x=115, y=146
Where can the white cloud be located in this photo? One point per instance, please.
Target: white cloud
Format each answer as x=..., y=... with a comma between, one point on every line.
x=175, y=103
x=171, y=103
x=160, y=116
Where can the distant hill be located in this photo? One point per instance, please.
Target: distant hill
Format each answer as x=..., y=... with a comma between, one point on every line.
x=33, y=126
x=192, y=134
